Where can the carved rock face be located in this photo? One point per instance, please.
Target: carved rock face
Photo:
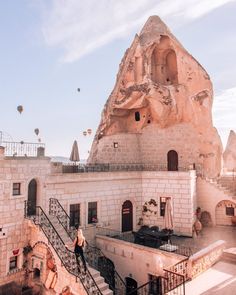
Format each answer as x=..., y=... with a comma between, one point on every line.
x=229, y=155
x=159, y=84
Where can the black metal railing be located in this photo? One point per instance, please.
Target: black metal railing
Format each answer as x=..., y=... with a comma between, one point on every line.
x=56, y=209
x=22, y=149
x=174, y=283
x=93, y=255
x=170, y=283
x=66, y=256
x=105, y=266
x=180, y=268
x=107, y=167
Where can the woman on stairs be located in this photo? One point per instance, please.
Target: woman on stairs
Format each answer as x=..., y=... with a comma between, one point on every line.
x=79, y=244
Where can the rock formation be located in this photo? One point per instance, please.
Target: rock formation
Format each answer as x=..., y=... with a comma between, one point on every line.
x=229, y=155
x=161, y=103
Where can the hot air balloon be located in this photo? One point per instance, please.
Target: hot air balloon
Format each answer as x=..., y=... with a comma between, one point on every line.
x=36, y=131
x=89, y=131
x=85, y=133
x=20, y=109
x=78, y=89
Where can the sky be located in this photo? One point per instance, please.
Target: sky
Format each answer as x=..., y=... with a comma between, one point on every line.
x=50, y=48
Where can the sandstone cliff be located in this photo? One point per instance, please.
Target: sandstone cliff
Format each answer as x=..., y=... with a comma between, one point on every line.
x=161, y=101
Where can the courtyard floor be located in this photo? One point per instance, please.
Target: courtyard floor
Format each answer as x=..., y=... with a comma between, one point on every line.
x=207, y=236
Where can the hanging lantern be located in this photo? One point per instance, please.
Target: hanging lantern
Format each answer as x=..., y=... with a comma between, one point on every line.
x=89, y=131
x=85, y=133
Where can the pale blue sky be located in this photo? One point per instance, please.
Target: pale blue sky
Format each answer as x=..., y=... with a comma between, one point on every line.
x=49, y=48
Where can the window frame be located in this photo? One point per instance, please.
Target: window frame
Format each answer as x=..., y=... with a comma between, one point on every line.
x=14, y=260
x=163, y=206
x=228, y=209
x=92, y=214
x=16, y=191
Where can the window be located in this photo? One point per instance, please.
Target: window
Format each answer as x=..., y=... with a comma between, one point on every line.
x=16, y=189
x=13, y=263
x=162, y=206
x=74, y=215
x=230, y=211
x=92, y=212
x=154, y=285
x=115, y=144
x=137, y=116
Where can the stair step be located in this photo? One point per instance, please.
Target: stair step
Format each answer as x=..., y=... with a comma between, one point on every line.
x=99, y=280
x=107, y=292
x=103, y=286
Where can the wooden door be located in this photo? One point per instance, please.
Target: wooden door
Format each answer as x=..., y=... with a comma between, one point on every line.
x=127, y=216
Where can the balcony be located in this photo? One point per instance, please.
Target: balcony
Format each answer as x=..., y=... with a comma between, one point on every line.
x=23, y=149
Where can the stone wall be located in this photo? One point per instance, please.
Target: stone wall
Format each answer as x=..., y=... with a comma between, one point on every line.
x=136, y=261
x=180, y=186
x=111, y=190
x=204, y=259
x=14, y=232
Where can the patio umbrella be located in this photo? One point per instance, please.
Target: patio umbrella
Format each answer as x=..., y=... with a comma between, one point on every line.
x=74, y=156
x=168, y=217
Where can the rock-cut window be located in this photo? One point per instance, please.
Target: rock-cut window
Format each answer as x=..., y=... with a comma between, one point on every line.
x=137, y=116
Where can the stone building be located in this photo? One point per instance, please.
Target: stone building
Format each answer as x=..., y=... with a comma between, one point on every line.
x=155, y=142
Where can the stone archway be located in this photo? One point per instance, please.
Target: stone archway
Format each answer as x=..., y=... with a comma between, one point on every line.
x=224, y=212
x=44, y=264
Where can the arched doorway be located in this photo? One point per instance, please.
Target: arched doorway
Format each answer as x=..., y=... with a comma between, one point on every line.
x=32, y=197
x=131, y=285
x=127, y=216
x=107, y=270
x=172, y=161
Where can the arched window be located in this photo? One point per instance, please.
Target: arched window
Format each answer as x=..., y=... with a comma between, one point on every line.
x=172, y=161
x=164, y=64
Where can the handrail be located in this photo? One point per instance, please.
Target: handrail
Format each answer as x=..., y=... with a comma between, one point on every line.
x=53, y=211
x=65, y=225
x=66, y=256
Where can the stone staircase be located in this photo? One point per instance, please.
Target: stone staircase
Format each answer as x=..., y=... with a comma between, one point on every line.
x=102, y=285
x=226, y=184
x=229, y=255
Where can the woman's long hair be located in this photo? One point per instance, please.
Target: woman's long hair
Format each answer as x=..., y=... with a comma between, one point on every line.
x=81, y=238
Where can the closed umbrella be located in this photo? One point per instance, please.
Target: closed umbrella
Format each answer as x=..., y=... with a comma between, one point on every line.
x=74, y=156
x=168, y=217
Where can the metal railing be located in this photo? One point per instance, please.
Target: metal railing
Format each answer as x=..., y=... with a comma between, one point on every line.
x=22, y=149
x=106, y=167
x=145, y=240
x=56, y=209
x=170, y=283
x=66, y=256
x=93, y=255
